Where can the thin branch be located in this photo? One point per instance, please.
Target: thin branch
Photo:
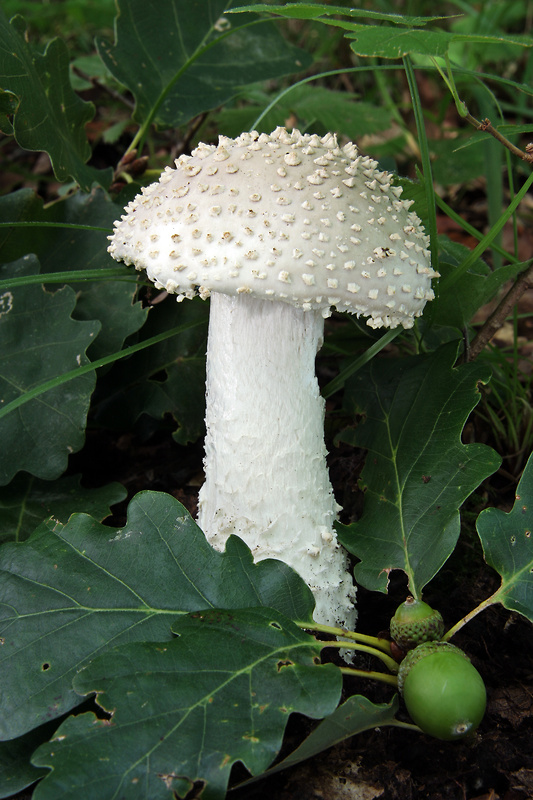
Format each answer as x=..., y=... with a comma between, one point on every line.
x=486, y=125
x=498, y=317
x=104, y=88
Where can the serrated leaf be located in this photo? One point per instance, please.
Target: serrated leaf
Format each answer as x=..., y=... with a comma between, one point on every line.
x=385, y=41
x=356, y=715
x=177, y=60
x=49, y=115
x=184, y=711
x=27, y=502
x=317, y=10
x=417, y=472
x=456, y=305
x=67, y=249
x=71, y=592
x=40, y=341
x=507, y=541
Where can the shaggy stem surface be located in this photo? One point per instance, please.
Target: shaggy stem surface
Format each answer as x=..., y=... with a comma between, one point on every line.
x=266, y=477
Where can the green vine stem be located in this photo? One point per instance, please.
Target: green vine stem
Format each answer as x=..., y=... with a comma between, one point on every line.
x=471, y=614
x=371, y=675
x=373, y=641
x=389, y=662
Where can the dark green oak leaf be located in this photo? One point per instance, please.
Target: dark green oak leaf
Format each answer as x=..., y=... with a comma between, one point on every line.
x=27, y=501
x=184, y=711
x=417, y=472
x=189, y=58
x=71, y=592
x=74, y=249
x=41, y=341
x=507, y=540
x=49, y=115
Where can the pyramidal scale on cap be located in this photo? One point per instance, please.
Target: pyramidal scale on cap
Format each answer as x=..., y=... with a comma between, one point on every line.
x=293, y=218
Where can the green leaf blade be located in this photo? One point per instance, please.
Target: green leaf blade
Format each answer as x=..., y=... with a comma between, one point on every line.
x=49, y=115
x=41, y=341
x=417, y=472
x=27, y=502
x=112, y=303
x=73, y=591
x=220, y=692
x=507, y=540
x=180, y=62
x=392, y=42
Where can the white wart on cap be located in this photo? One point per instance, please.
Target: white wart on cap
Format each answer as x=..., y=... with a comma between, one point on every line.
x=282, y=216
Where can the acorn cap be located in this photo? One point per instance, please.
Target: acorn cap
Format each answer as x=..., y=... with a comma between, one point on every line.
x=420, y=652
x=285, y=216
x=415, y=622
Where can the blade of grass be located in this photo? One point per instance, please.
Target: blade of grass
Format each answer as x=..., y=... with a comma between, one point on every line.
x=101, y=362
x=487, y=240
x=42, y=224
x=71, y=277
x=426, y=161
x=338, y=382
x=319, y=76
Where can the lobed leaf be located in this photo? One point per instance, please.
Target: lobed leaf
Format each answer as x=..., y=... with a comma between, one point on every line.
x=457, y=304
x=356, y=715
x=391, y=42
x=417, y=472
x=184, y=711
x=40, y=340
x=113, y=302
x=186, y=58
x=72, y=591
x=27, y=502
x=49, y=115
x=507, y=540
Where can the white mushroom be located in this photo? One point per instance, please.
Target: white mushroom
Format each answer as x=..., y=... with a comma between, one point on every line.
x=298, y=219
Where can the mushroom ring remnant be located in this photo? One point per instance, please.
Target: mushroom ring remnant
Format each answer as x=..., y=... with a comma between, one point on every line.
x=300, y=220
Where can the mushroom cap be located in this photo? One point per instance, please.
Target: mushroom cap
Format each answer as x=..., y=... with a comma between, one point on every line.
x=282, y=216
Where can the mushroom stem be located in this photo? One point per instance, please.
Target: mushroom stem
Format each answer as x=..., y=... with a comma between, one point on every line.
x=266, y=478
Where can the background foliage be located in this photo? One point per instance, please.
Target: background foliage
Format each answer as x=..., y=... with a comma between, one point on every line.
x=95, y=99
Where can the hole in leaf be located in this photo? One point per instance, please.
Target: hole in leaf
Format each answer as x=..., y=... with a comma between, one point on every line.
x=275, y=625
x=282, y=664
x=45, y=666
x=160, y=377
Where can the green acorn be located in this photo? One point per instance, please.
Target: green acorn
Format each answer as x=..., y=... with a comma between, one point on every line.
x=442, y=690
x=415, y=622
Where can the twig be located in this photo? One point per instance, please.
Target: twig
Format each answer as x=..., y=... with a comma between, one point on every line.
x=486, y=125
x=497, y=318
x=102, y=86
